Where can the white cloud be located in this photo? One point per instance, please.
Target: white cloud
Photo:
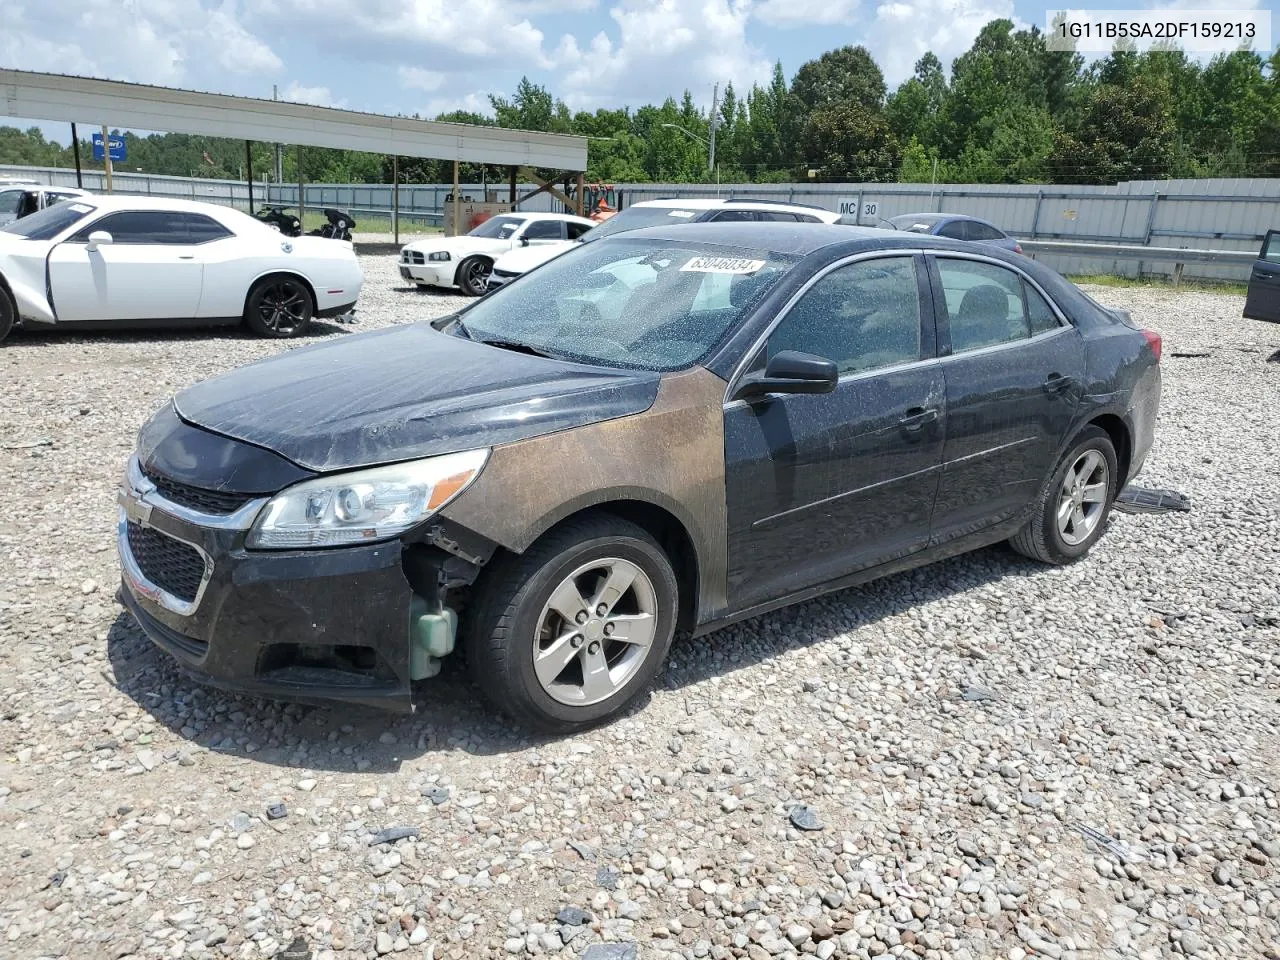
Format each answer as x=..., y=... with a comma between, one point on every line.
x=902, y=31
x=171, y=42
x=317, y=96
x=471, y=102
x=415, y=78
x=662, y=47
x=805, y=13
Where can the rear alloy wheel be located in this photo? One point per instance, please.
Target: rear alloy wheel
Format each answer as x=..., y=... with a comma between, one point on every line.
x=279, y=307
x=473, y=276
x=573, y=630
x=1072, y=510
x=8, y=314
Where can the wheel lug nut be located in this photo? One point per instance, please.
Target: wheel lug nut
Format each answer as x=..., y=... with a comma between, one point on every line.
x=582, y=616
x=576, y=640
x=608, y=629
x=594, y=648
x=601, y=610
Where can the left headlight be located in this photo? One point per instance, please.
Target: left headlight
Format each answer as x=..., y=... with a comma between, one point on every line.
x=365, y=505
x=438, y=255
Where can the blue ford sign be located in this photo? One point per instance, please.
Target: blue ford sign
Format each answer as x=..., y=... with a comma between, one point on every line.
x=118, y=151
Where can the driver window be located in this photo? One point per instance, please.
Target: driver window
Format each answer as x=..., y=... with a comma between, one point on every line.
x=576, y=230
x=544, y=230
x=863, y=316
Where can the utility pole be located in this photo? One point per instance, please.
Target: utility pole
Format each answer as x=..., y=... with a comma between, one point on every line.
x=275, y=95
x=715, y=122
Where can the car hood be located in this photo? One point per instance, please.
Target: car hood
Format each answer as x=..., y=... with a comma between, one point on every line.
x=524, y=259
x=459, y=246
x=405, y=392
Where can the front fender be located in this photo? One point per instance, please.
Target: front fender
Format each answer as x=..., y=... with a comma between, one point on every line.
x=31, y=302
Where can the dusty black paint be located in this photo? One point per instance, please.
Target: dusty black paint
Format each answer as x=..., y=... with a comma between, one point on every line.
x=406, y=392
x=198, y=458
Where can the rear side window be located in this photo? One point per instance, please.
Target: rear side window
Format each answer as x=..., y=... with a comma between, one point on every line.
x=576, y=229
x=202, y=229
x=955, y=230
x=734, y=216
x=776, y=216
x=1271, y=247
x=981, y=231
x=988, y=305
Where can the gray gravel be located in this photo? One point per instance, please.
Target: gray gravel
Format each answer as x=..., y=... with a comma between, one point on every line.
x=1005, y=760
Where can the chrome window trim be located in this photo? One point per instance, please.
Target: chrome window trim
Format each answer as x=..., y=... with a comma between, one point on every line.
x=145, y=492
x=138, y=580
x=1007, y=345
x=795, y=297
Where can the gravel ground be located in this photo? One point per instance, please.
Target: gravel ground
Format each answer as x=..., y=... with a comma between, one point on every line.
x=959, y=733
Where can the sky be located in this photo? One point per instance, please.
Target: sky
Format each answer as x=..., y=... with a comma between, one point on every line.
x=429, y=56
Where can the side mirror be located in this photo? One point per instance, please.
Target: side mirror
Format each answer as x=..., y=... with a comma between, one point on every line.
x=524, y=241
x=790, y=372
x=97, y=239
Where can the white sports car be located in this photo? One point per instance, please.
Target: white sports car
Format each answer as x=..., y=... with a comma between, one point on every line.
x=118, y=262
x=465, y=261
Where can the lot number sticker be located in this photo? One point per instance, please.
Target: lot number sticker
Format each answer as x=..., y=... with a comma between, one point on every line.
x=721, y=265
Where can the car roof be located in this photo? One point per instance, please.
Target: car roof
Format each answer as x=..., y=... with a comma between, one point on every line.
x=715, y=203
x=539, y=215
x=802, y=239
x=107, y=202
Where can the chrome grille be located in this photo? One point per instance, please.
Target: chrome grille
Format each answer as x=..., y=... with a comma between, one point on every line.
x=175, y=567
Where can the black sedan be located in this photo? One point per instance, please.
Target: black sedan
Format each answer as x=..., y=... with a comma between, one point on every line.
x=670, y=429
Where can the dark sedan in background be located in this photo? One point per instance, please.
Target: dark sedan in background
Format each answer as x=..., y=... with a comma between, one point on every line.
x=956, y=226
x=676, y=427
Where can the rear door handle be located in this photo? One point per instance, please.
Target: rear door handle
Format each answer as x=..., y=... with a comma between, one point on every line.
x=1263, y=274
x=917, y=417
x=1057, y=383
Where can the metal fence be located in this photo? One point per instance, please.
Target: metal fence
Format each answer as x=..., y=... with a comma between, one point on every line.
x=1229, y=214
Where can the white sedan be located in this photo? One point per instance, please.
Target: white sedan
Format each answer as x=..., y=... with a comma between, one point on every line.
x=21, y=201
x=119, y=262
x=465, y=261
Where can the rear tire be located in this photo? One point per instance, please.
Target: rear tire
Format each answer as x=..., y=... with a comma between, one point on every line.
x=473, y=276
x=1074, y=506
x=279, y=307
x=563, y=671
x=8, y=313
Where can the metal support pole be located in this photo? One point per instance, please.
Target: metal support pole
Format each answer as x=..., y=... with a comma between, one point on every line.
x=75, y=148
x=457, y=200
x=582, y=190
x=1035, y=218
x=395, y=198
x=513, y=186
x=301, y=199
x=1151, y=215
x=106, y=155
x=248, y=166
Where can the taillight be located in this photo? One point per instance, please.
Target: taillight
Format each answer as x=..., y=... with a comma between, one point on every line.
x=1017, y=247
x=1153, y=338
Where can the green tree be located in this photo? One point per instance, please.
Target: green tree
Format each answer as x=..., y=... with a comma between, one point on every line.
x=847, y=75
x=1127, y=134
x=850, y=141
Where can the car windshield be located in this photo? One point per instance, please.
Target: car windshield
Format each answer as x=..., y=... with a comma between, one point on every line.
x=637, y=218
x=633, y=303
x=914, y=224
x=9, y=200
x=50, y=221
x=497, y=228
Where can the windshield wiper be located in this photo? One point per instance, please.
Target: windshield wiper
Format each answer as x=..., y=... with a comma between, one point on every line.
x=518, y=347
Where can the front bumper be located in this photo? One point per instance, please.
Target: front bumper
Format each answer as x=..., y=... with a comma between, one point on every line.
x=303, y=625
x=436, y=273
x=500, y=278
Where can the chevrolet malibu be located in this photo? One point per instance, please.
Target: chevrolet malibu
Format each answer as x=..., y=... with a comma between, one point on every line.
x=670, y=429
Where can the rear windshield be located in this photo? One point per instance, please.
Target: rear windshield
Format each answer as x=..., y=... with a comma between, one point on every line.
x=637, y=218
x=915, y=224
x=639, y=304
x=50, y=221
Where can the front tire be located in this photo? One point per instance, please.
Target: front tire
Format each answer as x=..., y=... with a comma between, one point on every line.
x=279, y=307
x=1073, y=508
x=8, y=313
x=473, y=276
x=570, y=632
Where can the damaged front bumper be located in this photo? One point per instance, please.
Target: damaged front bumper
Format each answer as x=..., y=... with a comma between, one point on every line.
x=354, y=624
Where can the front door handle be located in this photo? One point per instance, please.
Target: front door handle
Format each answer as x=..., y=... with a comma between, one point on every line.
x=186, y=256
x=917, y=417
x=1057, y=383
x=1262, y=274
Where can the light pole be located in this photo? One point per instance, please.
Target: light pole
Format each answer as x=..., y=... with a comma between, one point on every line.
x=711, y=154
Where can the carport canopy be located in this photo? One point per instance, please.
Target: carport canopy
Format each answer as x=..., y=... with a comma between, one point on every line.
x=48, y=96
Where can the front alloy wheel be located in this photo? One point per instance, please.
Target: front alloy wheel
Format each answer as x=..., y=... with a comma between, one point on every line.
x=573, y=630
x=595, y=631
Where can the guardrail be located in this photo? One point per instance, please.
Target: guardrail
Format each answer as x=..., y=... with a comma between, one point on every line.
x=1178, y=256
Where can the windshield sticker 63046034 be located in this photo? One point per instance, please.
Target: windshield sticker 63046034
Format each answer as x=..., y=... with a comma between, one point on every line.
x=722, y=265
